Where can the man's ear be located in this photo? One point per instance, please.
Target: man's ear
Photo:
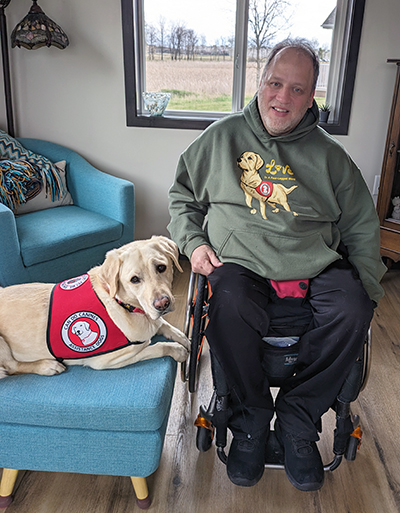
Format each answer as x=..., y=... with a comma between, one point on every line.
x=312, y=99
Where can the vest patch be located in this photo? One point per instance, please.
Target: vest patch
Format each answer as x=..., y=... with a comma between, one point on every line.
x=79, y=325
x=265, y=188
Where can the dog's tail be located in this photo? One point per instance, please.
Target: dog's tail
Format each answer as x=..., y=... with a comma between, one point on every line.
x=288, y=191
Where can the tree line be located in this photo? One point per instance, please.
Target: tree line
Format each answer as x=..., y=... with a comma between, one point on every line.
x=267, y=18
x=179, y=42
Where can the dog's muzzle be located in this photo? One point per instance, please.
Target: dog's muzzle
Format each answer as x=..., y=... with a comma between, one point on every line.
x=162, y=304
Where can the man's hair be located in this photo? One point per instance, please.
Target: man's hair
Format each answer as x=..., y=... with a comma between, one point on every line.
x=300, y=44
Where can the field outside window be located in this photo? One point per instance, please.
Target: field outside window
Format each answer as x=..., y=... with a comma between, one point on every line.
x=209, y=55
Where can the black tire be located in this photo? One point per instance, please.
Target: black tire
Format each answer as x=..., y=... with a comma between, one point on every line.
x=351, y=451
x=203, y=439
x=198, y=330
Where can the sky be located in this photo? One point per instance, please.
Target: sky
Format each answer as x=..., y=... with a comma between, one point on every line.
x=216, y=18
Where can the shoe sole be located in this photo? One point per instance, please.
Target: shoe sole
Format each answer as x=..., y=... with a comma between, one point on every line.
x=241, y=481
x=307, y=487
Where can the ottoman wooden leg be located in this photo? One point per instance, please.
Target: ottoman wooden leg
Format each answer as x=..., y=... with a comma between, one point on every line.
x=6, y=486
x=142, y=493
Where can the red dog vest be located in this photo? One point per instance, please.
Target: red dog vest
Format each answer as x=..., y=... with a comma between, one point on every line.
x=79, y=325
x=265, y=188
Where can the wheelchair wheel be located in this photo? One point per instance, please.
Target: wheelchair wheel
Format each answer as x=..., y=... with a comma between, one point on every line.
x=205, y=433
x=203, y=439
x=199, y=323
x=354, y=444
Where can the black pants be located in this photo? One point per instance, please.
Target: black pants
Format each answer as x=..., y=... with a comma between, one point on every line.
x=240, y=316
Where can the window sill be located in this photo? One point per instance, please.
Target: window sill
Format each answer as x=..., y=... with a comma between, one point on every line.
x=192, y=123
x=171, y=121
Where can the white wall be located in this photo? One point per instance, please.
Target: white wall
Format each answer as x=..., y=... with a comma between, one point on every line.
x=75, y=97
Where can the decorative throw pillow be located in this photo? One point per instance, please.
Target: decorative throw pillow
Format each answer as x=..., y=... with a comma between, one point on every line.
x=53, y=192
x=11, y=149
x=19, y=181
x=25, y=187
x=44, y=200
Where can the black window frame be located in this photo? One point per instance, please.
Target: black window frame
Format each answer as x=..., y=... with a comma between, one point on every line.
x=339, y=126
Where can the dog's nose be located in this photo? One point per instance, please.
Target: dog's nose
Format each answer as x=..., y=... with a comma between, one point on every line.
x=161, y=304
x=239, y=159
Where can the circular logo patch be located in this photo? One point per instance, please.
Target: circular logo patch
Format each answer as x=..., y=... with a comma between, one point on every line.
x=265, y=189
x=84, y=332
x=74, y=283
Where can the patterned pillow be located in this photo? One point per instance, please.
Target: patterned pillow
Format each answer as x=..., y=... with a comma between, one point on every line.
x=19, y=181
x=44, y=199
x=53, y=192
x=11, y=149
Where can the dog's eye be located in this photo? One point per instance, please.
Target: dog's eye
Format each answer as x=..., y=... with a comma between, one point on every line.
x=161, y=268
x=135, y=279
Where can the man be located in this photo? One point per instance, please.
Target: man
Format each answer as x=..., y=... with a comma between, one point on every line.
x=290, y=216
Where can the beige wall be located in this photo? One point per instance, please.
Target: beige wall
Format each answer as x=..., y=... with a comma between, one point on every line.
x=75, y=97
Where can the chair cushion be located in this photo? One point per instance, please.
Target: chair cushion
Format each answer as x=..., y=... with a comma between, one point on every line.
x=49, y=234
x=134, y=398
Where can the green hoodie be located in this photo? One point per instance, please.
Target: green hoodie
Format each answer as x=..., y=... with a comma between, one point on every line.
x=313, y=194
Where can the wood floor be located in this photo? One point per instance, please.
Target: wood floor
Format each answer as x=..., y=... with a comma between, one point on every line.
x=191, y=482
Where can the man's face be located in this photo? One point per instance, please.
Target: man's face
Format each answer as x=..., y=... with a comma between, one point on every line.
x=286, y=91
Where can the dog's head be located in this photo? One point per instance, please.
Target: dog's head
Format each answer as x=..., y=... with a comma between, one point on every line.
x=81, y=328
x=250, y=161
x=140, y=274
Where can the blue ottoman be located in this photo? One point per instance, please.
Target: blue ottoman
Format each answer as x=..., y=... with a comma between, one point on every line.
x=86, y=421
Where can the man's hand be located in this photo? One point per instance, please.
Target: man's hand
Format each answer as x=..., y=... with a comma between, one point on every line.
x=204, y=260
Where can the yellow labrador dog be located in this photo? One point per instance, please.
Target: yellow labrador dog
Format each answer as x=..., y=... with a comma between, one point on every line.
x=127, y=296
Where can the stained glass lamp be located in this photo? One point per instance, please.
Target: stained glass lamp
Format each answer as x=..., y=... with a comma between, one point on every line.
x=37, y=30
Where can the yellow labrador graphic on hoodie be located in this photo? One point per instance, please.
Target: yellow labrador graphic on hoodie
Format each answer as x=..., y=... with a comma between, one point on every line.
x=264, y=191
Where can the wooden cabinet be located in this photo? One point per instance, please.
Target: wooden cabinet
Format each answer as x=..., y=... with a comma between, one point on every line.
x=389, y=186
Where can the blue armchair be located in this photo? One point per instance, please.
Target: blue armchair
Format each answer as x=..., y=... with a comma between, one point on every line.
x=59, y=243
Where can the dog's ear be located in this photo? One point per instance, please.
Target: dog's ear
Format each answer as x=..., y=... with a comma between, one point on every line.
x=109, y=272
x=259, y=161
x=170, y=249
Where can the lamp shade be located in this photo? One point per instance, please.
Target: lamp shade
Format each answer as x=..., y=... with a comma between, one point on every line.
x=37, y=30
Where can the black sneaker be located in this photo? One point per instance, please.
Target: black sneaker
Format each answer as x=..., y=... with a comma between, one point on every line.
x=303, y=463
x=245, y=465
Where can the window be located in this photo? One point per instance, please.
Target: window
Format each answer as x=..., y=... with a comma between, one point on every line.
x=212, y=69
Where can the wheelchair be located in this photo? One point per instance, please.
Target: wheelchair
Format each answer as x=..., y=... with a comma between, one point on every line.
x=281, y=351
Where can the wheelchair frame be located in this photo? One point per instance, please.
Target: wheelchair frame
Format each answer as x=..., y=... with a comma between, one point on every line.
x=206, y=423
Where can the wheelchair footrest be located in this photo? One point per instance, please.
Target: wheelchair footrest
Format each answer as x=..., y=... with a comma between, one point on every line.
x=274, y=454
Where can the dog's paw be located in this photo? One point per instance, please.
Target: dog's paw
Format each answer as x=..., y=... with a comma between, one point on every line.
x=183, y=340
x=49, y=367
x=180, y=353
x=176, y=335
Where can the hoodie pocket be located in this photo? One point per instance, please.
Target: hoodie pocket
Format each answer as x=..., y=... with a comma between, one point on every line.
x=278, y=257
